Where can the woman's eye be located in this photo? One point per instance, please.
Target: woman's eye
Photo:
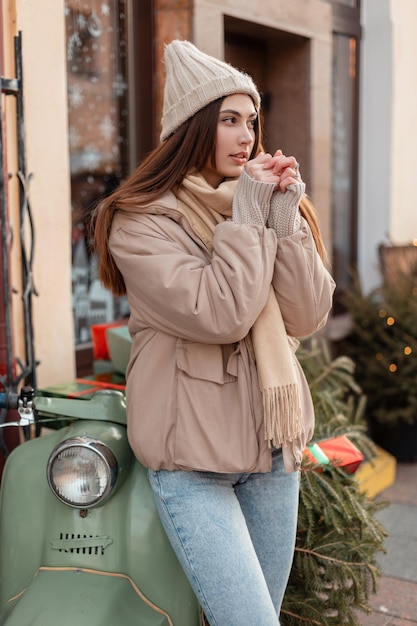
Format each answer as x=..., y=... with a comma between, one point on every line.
x=233, y=120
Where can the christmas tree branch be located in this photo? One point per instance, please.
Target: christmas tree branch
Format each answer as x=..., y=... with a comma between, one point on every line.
x=334, y=560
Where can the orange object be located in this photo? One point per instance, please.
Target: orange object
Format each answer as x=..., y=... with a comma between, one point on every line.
x=338, y=451
x=98, y=335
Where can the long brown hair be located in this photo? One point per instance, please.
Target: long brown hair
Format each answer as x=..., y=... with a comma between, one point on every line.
x=190, y=148
x=307, y=210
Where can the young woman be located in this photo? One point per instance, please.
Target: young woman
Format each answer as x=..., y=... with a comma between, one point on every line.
x=222, y=269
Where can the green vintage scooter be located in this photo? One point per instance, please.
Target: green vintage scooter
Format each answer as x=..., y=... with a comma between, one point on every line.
x=80, y=538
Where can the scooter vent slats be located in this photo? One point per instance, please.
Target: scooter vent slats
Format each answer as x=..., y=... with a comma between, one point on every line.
x=81, y=544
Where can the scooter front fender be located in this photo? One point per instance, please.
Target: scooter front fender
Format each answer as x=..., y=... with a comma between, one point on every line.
x=41, y=538
x=89, y=598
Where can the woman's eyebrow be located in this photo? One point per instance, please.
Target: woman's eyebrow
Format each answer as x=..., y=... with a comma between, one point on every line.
x=237, y=113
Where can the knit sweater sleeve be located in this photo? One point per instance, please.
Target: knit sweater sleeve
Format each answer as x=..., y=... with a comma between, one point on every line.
x=284, y=217
x=251, y=201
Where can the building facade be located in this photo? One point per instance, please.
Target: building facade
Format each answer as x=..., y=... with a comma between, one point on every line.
x=335, y=77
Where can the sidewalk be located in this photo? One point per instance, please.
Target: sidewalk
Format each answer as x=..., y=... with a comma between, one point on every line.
x=395, y=603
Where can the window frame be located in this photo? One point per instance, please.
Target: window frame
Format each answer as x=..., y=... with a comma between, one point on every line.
x=346, y=22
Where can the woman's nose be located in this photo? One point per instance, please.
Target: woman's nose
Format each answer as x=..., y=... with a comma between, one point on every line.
x=246, y=136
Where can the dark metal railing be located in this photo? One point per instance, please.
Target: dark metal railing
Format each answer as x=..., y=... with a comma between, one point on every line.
x=11, y=379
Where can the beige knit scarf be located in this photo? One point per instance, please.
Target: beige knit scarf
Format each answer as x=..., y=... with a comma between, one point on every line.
x=205, y=207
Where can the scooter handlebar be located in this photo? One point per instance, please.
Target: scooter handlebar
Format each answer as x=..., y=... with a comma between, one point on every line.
x=22, y=402
x=9, y=400
x=12, y=399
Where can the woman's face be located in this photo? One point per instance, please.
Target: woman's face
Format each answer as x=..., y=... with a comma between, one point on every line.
x=234, y=139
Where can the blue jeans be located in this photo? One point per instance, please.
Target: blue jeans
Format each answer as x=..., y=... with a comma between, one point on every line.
x=234, y=535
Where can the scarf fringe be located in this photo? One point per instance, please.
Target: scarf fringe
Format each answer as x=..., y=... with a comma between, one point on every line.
x=282, y=414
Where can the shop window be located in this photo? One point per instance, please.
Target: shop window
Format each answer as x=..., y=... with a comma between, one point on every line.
x=98, y=125
x=346, y=42
x=105, y=69
x=344, y=191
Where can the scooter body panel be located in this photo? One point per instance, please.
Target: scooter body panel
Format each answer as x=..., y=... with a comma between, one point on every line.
x=74, y=594
x=122, y=537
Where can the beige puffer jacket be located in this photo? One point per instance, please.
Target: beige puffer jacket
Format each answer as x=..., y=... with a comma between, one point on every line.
x=193, y=398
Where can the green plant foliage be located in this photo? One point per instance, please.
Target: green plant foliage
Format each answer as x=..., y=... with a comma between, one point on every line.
x=339, y=402
x=338, y=537
x=383, y=345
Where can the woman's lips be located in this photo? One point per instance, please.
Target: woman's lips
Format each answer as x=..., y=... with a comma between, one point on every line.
x=239, y=158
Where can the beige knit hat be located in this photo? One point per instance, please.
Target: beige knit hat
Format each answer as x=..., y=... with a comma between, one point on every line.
x=193, y=80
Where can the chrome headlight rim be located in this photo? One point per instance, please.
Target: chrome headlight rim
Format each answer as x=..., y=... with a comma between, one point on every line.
x=104, y=455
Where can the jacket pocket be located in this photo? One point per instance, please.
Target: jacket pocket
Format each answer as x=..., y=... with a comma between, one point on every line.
x=215, y=429
x=206, y=361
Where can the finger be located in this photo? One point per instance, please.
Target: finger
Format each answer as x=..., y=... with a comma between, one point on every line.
x=288, y=161
x=287, y=182
x=281, y=163
x=262, y=157
x=290, y=174
x=293, y=171
x=290, y=171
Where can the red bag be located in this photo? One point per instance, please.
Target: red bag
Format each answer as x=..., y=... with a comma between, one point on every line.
x=338, y=451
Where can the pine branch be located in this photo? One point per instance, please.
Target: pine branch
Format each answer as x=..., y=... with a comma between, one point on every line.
x=300, y=620
x=335, y=560
x=334, y=569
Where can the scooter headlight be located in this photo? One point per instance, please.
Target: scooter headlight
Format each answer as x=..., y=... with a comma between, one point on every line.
x=82, y=472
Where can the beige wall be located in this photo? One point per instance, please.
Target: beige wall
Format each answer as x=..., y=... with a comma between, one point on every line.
x=403, y=216
x=388, y=131
x=42, y=26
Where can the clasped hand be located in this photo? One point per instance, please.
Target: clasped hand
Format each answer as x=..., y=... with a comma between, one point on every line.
x=276, y=168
